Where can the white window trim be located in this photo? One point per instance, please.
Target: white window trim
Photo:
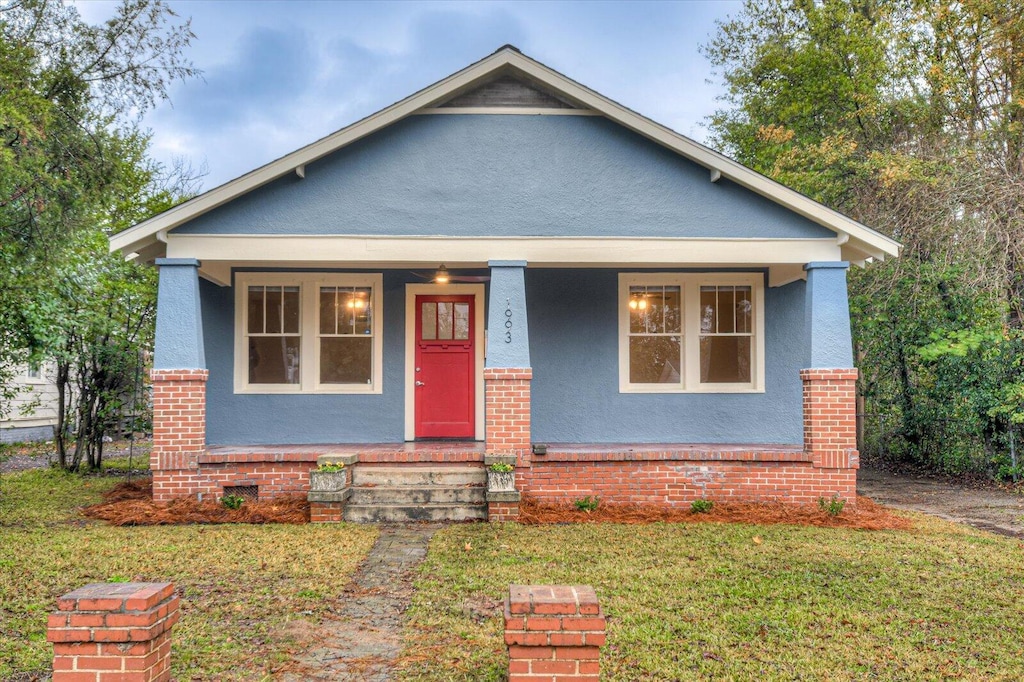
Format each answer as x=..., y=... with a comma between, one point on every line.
x=690, y=284
x=309, y=323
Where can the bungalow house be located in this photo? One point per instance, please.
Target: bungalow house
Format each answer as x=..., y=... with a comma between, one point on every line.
x=505, y=264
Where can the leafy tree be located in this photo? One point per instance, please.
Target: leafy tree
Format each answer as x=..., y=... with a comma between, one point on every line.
x=70, y=99
x=909, y=116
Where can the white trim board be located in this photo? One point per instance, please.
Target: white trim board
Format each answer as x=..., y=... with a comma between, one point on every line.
x=479, y=316
x=508, y=60
x=477, y=251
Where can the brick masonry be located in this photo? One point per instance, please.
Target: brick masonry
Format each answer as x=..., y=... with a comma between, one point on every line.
x=553, y=633
x=507, y=409
x=824, y=466
x=179, y=431
x=114, y=632
x=830, y=425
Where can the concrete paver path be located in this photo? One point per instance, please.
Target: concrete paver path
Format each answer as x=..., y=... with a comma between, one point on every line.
x=364, y=641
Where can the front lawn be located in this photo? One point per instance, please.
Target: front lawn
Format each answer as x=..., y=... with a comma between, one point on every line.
x=736, y=602
x=243, y=586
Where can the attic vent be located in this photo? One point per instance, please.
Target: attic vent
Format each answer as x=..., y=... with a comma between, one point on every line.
x=508, y=92
x=249, y=492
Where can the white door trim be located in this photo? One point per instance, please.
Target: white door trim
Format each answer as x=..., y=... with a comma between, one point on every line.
x=411, y=292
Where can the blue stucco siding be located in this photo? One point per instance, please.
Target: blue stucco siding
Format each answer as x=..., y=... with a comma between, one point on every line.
x=268, y=419
x=179, y=330
x=573, y=327
x=575, y=391
x=500, y=175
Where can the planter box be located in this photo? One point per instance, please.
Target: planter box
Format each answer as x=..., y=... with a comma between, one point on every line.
x=328, y=481
x=501, y=481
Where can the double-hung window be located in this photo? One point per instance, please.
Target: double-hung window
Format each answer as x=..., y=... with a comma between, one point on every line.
x=308, y=333
x=691, y=332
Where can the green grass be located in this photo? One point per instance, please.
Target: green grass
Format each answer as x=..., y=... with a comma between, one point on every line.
x=705, y=601
x=243, y=586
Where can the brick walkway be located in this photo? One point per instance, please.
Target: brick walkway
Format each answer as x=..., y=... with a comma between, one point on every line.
x=367, y=637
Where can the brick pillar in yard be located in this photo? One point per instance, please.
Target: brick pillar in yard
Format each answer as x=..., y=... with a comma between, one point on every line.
x=553, y=633
x=114, y=632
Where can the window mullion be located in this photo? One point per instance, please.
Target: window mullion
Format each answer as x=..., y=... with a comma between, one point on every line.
x=309, y=343
x=691, y=333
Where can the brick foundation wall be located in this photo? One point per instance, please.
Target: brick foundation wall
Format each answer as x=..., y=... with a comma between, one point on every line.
x=114, y=632
x=179, y=430
x=678, y=483
x=507, y=407
x=553, y=633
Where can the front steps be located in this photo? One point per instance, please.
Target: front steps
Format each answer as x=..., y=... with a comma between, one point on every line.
x=399, y=494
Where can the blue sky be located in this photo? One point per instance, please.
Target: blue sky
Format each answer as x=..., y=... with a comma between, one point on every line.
x=280, y=74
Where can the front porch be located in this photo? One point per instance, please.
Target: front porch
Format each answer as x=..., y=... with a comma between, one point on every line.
x=590, y=397
x=446, y=479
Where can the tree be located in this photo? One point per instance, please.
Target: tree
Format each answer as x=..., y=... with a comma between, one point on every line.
x=71, y=95
x=907, y=115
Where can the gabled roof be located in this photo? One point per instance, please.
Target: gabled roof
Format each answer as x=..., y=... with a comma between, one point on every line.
x=855, y=238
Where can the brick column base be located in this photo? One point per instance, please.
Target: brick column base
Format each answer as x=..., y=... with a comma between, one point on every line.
x=553, y=633
x=830, y=427
x=503, y=506
x=107, y=632
x=507, y=408
x=179, y=431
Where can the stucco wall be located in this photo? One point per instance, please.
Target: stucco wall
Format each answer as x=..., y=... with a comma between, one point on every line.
x=574, y=353
x=496, y=175
x=574, y=350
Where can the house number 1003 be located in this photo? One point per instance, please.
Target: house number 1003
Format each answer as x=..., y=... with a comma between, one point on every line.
x=508, y=321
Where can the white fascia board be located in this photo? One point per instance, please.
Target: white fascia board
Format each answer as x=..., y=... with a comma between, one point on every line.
x=477, y=251
x=450, y=86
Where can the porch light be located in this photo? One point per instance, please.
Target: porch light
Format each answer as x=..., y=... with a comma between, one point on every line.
x=441, y=277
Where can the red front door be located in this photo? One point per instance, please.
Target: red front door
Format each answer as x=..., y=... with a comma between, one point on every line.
x=445, y=367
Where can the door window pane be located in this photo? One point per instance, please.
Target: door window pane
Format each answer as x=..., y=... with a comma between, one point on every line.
x=444, y=321
x=428, y=329
x=462, y=321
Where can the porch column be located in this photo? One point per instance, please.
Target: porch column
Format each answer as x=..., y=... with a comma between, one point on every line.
x=179, y=381
x=830, y=382
x=507, y=373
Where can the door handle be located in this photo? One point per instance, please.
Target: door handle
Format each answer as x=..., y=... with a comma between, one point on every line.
x=420, y=383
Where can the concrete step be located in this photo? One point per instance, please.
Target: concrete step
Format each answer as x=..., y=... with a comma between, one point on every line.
x=392, y=476
x=417, y=494
x=398, y=513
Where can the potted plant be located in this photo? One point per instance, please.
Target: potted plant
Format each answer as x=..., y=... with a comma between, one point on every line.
x=501, y=477
x=328, y=477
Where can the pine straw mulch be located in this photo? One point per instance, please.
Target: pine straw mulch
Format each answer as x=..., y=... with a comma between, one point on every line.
x=865, y=515
x=131, y=504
